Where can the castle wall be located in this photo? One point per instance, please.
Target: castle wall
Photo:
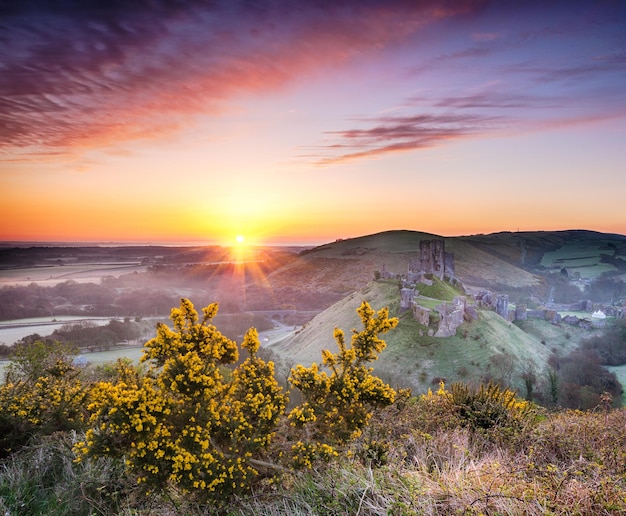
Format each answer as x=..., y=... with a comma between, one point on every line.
x=502, y=306
x=520, y=312
x=449, y=321
x=448, y=264
x=421, y=314
x=406, y=298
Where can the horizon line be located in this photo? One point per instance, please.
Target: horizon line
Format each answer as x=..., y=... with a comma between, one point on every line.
x=206, y=243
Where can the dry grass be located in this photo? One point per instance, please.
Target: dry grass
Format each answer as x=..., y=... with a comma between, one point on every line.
x=415, y=458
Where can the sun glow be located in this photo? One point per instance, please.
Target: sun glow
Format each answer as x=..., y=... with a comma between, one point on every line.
x=240, y=239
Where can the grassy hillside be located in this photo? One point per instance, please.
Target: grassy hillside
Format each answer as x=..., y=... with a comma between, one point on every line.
x=505, y=262
x=577, y=250
x=487, y=348
x=334, y=270
x=415, y=359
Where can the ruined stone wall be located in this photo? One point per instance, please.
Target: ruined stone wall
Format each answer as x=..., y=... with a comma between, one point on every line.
x=432, y=257
x=460, y=303
x=449, y=320
x=425, y=257
x=421, y=314
x=502, y=306
x=448, y=265
x=438, y=252
x=406, y=298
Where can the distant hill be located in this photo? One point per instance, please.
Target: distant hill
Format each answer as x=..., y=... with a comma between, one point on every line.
x=504, y=262
x=490, y=347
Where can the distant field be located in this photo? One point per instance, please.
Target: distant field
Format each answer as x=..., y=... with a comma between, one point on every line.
x=268, y=337
x=54, y=274
x=583, y=258
x=97, y=357
x=12, y=331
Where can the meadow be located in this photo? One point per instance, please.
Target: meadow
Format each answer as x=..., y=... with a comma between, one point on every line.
x=579, y=257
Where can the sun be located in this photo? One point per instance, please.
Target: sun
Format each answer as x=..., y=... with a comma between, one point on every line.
x=240, y=239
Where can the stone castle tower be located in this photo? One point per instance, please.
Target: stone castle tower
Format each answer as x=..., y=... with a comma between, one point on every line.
x=432, y=259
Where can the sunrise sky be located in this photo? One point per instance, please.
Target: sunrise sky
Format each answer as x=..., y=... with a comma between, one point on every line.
x=303, y=122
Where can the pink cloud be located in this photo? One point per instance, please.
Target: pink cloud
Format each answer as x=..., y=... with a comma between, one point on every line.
x=401, y=134
x=88, y=78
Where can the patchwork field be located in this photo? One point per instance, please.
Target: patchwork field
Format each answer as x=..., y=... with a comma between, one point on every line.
x=583, y=257
x=54, y=274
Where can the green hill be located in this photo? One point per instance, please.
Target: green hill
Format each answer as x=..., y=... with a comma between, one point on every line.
x=488, y=347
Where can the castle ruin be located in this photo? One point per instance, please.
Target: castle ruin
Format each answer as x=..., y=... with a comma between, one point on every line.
x=432, y=259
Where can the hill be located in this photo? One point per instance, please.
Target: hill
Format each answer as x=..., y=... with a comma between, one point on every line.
x=487, y=347
x=523, y=265
x=513, y=263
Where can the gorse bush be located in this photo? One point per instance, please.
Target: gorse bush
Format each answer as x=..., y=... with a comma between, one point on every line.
x=42, y=394
x=491, y=413
x=338, y=405
x=489, y=406
x=183, y=422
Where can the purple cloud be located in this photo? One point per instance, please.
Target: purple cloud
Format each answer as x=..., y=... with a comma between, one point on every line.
x=399, y=134
x=82, y=74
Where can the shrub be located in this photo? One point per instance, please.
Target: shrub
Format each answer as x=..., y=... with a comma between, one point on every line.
x=42, y=394
x=489, y=406
x=338, y=405
x=183, y=422
x=487, y=411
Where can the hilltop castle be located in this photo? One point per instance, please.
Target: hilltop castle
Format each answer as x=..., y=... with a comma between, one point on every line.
x=432, y=259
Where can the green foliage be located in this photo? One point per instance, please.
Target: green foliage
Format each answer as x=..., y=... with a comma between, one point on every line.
x=36, y=359
x=338, y=405
x=42, y=394
x=611, y=346
x=490, y=406
x=582, y=380
x=183, y=422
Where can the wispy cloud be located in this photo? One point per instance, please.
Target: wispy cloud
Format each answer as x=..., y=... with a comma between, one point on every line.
x=403, y=133
x=82, y=74
x=488, y=99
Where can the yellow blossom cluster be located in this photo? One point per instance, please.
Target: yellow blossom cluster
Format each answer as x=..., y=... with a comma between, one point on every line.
x=42, y=394
x=337, y=405
x=305, y=454
x=183, y=422
x=485, y=407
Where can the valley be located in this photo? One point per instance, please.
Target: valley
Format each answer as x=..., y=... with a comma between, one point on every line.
x=303, y=294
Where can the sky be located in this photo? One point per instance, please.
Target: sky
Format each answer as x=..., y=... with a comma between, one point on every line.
x=284, y=122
